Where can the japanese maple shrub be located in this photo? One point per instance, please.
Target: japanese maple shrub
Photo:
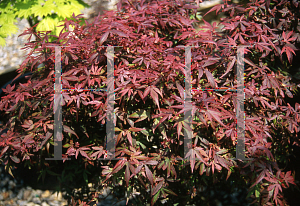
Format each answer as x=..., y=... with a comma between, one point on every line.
x=149, y=79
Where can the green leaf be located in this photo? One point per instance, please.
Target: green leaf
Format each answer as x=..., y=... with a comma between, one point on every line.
x=257, y=193
x=145, y=132
x=169, y=191
x=25, y=4
x=141, y=114
x=47, y=24
x=23, y=9
x=64, y=11
x=134, y=115
x=118, y=129
x=67, y=10
x=8, y=29
x=161, y=164
x=141, y=144
x=76, y=6
x=66, y=145
x=2, y=41
x=154, y=199
x=7, y=18
x=42, y=11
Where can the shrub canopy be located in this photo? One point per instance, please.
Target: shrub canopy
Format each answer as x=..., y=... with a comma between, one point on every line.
x=150, y=75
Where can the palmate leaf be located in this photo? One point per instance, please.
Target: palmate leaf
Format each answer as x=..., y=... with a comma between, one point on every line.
x=7, y=17
x=47, y=24
x=24, y=13
x=8, y=29
x=289, y=52
x=63, y=11
x=42, y=11
x=66, y=10
x=23, y=8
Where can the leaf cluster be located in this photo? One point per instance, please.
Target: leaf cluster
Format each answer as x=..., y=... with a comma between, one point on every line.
x=149, y=75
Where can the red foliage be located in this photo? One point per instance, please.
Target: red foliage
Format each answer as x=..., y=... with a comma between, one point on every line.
x=149, y=90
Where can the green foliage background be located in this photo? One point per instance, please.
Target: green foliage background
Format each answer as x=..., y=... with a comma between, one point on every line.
x=48, y=13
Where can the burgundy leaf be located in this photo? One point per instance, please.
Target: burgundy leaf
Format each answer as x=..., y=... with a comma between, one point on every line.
x=69, y=130
x=210, y=78
x=259, y=178
x=149, y=174
x=15, y=159
x=157, y=187
x=104, y=37
x=229, y=67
